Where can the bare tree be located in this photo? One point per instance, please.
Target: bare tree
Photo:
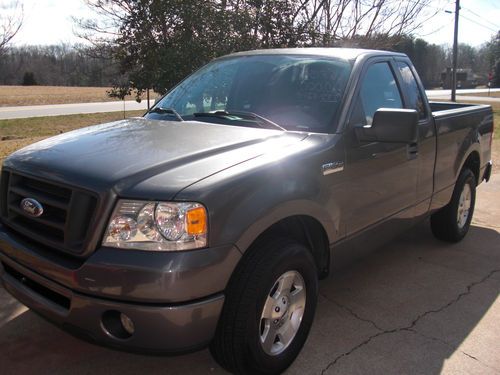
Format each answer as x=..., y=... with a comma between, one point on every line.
x=103, y=28
x=333, y=22
x=158, y=42
x=11, y=20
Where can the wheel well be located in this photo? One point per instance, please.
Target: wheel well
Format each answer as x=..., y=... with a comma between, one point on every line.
x=472, y=162
x=307, y=231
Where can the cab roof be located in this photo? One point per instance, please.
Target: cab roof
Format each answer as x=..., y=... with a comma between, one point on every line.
x=340, y=53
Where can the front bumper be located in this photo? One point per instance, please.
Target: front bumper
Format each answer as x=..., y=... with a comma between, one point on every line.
x=174, y=328
x=87, y=298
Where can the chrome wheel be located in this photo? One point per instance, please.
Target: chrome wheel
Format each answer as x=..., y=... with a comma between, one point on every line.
x=282, y=313
x=464, y=204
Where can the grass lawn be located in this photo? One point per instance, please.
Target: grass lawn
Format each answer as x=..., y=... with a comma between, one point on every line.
x=18, y=133
x=40, y=95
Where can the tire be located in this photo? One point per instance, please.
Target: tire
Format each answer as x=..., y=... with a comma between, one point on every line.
x=244, y=342
x=452, y=222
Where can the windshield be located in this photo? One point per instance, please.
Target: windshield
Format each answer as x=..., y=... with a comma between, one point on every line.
x=295, y=92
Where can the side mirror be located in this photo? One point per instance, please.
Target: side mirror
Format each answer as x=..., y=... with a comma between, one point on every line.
x=390, y=125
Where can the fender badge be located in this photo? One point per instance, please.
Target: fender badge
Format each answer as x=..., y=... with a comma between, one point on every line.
x=334, y=167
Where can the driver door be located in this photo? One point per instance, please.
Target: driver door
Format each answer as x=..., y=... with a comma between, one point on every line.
x=381, y=177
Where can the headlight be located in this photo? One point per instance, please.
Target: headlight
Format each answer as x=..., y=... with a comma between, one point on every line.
x=158, y=226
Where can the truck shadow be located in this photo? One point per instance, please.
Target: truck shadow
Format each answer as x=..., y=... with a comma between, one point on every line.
x=407, y=308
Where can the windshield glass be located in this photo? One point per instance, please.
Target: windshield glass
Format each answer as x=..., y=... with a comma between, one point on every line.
x=295, y=92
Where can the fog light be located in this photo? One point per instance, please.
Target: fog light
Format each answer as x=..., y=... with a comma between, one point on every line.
x=117, y=325
x=127, y=324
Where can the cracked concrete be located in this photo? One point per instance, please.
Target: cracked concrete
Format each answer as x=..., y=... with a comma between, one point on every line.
x=407, y=328
x=416, y=306
x=353, y=313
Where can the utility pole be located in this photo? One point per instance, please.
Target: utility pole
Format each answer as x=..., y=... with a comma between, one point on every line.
x=455, y=54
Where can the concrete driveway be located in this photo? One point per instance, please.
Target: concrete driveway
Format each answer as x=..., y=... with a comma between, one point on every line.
x=416, y=306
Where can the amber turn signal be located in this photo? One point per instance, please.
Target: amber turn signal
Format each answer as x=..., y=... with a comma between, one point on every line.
x=196, y=220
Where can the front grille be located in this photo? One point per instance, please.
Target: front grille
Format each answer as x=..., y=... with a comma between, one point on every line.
x=67, y=212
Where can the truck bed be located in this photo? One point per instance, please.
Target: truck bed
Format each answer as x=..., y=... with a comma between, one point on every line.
x=458, y=126
x=438, y=107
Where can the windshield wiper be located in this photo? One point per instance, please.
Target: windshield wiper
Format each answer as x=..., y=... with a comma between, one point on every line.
x=242, y=114
x=168, y=111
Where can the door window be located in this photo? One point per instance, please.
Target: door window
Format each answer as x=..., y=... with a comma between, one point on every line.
x=378, y=90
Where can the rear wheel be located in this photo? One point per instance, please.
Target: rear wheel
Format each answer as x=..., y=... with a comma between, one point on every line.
x=269, y=308
x=452, y=222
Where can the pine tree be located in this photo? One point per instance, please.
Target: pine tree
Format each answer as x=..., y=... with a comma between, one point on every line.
x=29, y=79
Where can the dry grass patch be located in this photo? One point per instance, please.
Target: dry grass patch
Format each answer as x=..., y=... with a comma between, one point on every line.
x=39, y=95
x=18, y=133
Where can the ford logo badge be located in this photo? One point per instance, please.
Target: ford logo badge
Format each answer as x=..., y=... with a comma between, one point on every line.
x=31, y=207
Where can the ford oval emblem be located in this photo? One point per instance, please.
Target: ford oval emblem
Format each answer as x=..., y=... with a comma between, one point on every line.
x=31, y=207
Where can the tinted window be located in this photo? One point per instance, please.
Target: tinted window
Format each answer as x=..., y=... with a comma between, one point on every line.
x=378, y=90
x=414, y=94
x=296, y=92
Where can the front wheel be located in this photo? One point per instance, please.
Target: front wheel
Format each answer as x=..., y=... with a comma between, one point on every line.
x=269, y=308
x=452, y=222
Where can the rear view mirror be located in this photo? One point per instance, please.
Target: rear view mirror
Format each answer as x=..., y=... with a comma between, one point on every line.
x=390, y=125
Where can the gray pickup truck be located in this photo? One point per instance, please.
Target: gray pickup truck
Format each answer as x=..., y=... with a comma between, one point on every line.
x=210, y=220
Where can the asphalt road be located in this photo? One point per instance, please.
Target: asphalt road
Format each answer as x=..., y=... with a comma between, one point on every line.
x=69, y=109
x=466, y=98
x=77, y=108
x=416, y=306
x=434, y=93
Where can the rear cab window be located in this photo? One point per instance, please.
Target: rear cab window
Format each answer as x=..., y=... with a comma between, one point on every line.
x=415, y=97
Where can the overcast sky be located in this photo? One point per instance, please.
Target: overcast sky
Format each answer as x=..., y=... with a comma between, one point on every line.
x=49, y=21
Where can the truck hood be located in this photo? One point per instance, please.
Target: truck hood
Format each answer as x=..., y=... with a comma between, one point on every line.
x=123, y=154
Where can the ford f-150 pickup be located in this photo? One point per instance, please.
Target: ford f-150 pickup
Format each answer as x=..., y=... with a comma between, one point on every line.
x=210, y=220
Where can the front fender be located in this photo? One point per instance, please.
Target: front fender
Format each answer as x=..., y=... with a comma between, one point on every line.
x=245, y=200
x=256, y=226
